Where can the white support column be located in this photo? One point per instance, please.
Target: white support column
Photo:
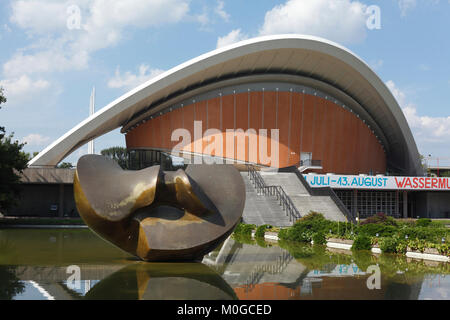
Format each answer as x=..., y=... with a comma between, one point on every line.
x=91, y=149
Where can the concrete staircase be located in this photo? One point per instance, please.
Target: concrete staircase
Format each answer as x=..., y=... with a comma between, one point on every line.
x=300, y=196
x=260, y=209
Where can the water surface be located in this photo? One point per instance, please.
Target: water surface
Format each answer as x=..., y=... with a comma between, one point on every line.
x=44, y=264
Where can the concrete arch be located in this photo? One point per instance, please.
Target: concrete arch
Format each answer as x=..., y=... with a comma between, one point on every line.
x=305, y=56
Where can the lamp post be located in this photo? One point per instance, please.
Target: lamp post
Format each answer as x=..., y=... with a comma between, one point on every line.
x=437, y=166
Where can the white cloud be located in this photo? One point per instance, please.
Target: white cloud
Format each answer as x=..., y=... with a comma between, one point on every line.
x=44, y=61
x=342, y=21
x=219, y=10
x=54, y=47
x=129, y=80
x=140, y=13
x=39, y=16
x=21, y=87
x=429, y=132
x=35, y=139
x=398, y=94
x=376, y=64
x=232, y=37
x=102, y=24
x=406, y=5
x=203, y=18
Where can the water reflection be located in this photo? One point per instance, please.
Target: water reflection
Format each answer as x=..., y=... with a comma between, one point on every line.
x=293, y=271
x=173, y=281
x=10, y=284
x=33, y=265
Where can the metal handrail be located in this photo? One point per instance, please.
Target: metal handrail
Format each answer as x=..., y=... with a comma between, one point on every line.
x=284, y=200
x=258, y=272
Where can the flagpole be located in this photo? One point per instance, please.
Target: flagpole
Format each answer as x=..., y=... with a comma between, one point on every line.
x=91, y=149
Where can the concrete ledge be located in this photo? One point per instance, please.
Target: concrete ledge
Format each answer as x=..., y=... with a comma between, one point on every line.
x=427, y=256
x=343, y=241
x=376, y=250
x=271, y=236
x=339, y=245
x=268, y=236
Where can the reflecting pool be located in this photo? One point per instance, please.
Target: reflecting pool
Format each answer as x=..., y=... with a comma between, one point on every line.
x=77, y=264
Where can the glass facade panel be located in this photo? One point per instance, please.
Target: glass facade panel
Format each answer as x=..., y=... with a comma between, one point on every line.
x=369, y=203
x=144, y=158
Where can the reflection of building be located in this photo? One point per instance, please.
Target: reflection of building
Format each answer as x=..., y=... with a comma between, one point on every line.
x=333, y=113
x=272, y=273
x=255, y=272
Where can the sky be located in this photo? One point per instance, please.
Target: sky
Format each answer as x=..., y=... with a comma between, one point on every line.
x=53, y=52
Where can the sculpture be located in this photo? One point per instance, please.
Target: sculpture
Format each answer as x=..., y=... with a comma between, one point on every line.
x=157, y=215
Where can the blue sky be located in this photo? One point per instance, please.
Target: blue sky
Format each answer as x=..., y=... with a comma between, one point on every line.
x=49, y=62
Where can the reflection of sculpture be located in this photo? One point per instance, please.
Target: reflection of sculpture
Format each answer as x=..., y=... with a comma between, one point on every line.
x=158, y=215
x=158, y=281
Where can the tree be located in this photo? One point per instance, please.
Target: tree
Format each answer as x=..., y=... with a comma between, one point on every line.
x=31, y=156
x=65, y=165
x=10, y=284
x=12, y=163
x=118, y=154
x=445, y=174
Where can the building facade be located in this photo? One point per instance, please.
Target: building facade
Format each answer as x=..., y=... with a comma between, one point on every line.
x=275, y=101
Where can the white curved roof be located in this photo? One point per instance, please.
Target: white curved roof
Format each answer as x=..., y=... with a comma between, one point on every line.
x=305, y=56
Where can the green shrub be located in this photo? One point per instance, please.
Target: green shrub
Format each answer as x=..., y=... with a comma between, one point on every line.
x=388, y=245
x=305, y=227
x=417, y=245
x=261, y=230
x=380, y=218
x=299, y=233
x=282, y=234
x=402, y=246
x=423, y=222
x=244, y=229
x=261, y=242
x=319, y=238
x=424, y=233
x=243, y=238
x=311, y=216
x=373, y=229
x=362, y=242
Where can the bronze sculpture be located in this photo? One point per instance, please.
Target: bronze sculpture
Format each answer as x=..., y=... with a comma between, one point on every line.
x=157, y=215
